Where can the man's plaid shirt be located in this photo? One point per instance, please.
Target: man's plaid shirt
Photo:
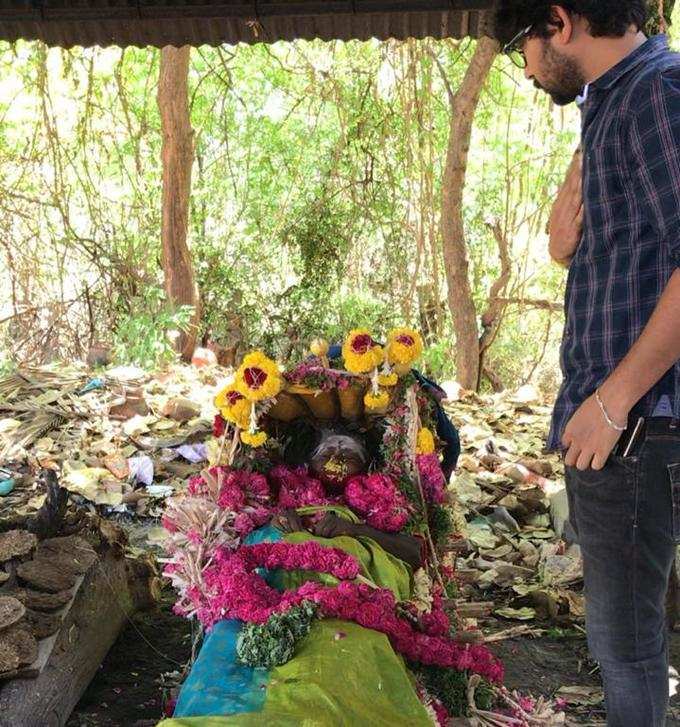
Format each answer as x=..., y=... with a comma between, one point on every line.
x=631, y=232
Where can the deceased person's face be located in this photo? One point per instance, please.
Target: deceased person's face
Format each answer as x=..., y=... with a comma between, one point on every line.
x=337, y=458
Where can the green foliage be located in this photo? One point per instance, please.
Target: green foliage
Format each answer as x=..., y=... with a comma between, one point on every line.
x=438, y=361
x=654, y=25
x=450, y=687
x=440, y=523
x=315, y=201
x=146, y=336
x=273, y=643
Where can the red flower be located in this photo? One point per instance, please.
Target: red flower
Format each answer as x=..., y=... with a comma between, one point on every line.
x=254, y=377
x=362, y=343
x=219, y=426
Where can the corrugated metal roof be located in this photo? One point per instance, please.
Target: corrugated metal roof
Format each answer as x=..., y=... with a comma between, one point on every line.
x=177, y=22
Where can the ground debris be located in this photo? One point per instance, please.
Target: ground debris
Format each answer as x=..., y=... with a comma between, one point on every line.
x=120, y=441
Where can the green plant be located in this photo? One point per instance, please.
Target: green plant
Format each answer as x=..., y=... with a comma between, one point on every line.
x=146, y=337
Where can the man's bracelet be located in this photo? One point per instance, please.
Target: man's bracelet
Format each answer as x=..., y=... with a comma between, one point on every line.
x=606, y=416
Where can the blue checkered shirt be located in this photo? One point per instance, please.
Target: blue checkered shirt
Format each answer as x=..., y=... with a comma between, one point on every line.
x=631, y=231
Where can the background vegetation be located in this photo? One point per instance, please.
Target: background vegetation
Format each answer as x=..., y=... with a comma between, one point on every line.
x=315, y=205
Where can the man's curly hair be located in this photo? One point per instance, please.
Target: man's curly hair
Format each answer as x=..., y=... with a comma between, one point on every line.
x=607, y=18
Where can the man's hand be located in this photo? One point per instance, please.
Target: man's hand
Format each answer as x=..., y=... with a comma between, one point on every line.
x=566, y=219
x=588, y=438
x=331, y=526
x=290, y=522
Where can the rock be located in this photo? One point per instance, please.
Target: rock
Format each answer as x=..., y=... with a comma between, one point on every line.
x=203, y=357
x=61, y=562
x=39, y=601
x=133, y=404
x=117, y=465
x=530, y=553
x=77, y=549
x=22, y=642
x=514, y=471
x=510, y=502
x=539, y=466
x=42, y=625
x=11, y=611
x=491, y=461
x=44, y=577
x=181, y=409
x=4, y=576
x=9, y=658
x=16, y=544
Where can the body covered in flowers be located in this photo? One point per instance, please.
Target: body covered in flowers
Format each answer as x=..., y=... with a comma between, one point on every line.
x=344, y=545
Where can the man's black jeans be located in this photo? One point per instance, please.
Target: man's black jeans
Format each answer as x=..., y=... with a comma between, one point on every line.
x=627, y=518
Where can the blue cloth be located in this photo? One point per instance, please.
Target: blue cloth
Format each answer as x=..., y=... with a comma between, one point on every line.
x=445, y=429
x=631, y=232
x=218, y=683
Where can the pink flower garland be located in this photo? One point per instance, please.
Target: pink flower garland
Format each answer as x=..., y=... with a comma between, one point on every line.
x=376, y=498
x=236, y=592
x=297, y=488
x=244, y=493
x=431, y=477
x=373, y=497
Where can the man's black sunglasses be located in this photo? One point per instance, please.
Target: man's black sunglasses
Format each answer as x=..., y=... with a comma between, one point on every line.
x=514, y=50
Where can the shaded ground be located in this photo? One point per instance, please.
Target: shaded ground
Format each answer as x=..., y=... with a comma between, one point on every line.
x=545, y=664
x=133, y=683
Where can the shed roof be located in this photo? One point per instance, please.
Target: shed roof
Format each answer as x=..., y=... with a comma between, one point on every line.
x=213, y=22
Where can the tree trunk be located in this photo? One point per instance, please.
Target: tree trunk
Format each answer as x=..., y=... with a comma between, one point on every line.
x=178, y=156
x=461, y=303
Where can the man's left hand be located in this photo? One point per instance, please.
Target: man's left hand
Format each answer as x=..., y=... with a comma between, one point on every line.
x=588, y=438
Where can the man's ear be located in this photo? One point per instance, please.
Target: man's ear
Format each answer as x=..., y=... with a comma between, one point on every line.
x=563, y=22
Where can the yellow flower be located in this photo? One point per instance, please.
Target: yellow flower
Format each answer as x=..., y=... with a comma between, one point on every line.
x=254, y=439
x=233, y=406
x=377, y=402
x=388, y=379
x=227, y=397
x=361, y=353
x=239, y=414
x=258, y=377
x=319, y=347
x=425, y=443
x=404, y=346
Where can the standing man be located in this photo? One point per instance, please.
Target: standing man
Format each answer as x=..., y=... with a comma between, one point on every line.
x=617, y=413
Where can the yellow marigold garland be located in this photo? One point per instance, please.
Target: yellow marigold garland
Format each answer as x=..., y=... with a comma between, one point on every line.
x=233, y=406
x=377, y=402
x=390, y=379
x=404, y=346
x=425, y=444
x=360, y=352
x=254, y=439
x=258, y=377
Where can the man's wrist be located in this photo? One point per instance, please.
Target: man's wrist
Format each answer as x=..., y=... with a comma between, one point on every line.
x=617, y=400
